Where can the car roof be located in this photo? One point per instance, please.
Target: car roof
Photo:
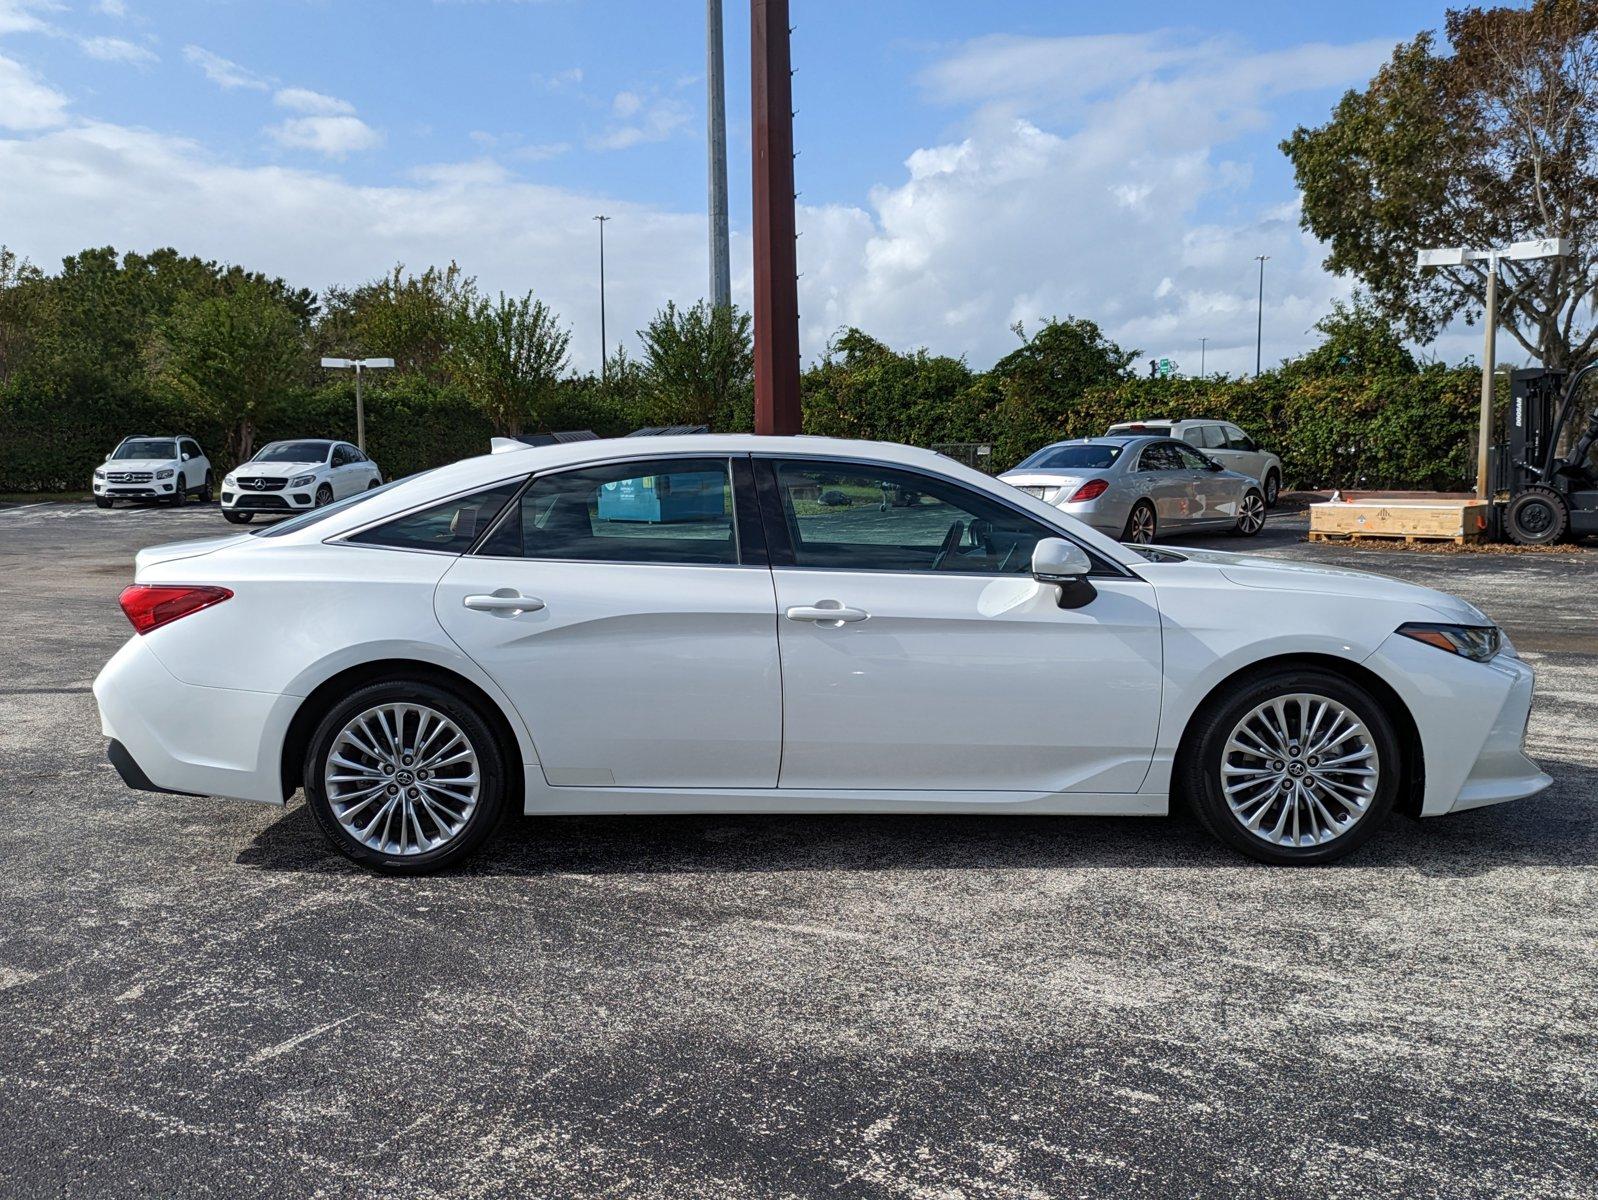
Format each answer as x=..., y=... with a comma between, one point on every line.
x=1108, y=439
x=486, y=470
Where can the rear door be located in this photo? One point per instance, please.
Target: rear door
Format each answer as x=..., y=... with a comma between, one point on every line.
x=1242, y=454
x=918, y=652
x=631, y=624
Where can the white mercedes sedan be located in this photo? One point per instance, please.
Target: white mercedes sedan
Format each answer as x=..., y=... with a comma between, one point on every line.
x=746, y=624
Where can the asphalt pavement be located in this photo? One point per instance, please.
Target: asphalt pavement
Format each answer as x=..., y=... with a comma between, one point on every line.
x=199, y=998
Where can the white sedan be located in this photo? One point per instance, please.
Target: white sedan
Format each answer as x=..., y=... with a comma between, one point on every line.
x=736, y=624
x=290, y=476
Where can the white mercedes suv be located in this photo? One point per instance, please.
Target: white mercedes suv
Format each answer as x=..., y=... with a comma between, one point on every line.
x=724, y=623
x=286, y=477
x=169, y=469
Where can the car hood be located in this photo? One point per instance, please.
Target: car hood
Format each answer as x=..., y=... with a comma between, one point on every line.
x=172, y=551
x=276, y=470
x=137, y=464
x=1249, y=570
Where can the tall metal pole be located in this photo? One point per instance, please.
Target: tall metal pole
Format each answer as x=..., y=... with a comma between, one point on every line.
x=1489, y=366
x=360, y=412
x=776, y=266
x=604, y=344
x=716, y=135
x=1259, y=323
x=1203, y=345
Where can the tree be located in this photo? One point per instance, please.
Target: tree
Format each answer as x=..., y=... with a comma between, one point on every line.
x=409, y=318
x=1490, y=143
x=1037, y=389
x=864, y=389
x=24, y=295
x=1356, y=339
x=699, y=364
x=236, y=358
x=506, y=355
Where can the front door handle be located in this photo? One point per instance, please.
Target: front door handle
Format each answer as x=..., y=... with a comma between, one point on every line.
x=826, y=612
x=507, y=602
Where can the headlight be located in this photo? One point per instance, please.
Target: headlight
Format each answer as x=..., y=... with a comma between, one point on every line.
x=1478, y=642
x=99, y=474
x=165, y=473
x=230, y=480
x=302, y=481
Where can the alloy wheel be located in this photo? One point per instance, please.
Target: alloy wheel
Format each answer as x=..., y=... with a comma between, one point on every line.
x=1251, y=516
x=402, y=779
x=1142, y=525
x=1300, y=770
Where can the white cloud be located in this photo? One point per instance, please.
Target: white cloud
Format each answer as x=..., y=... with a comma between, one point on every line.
x=559, y=81
x=26, y=101
x=112, y=8
x=640, y=119
x=224, y=72
x=334, y=137
x=114, y=49
x=22, y=16
x=303, y=100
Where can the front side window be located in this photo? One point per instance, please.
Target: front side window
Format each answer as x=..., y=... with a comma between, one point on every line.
x=450, y=527
x=677, y=510
x=1236, y=439
x=1190, y=459
x=1214, y=437
x=858, y=517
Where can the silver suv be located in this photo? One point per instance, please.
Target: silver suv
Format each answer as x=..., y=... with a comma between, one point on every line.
x=1222, y=441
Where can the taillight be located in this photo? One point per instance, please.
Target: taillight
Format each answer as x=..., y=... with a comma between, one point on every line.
x=152, y=605
x=1091, y=490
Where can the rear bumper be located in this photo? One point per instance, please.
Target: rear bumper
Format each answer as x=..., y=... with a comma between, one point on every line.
x=170, y=736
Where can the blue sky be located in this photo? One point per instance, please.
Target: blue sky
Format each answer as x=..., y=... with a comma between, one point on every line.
x=962, y=165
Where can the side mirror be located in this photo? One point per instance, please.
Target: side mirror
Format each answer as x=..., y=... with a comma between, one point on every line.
x=1057, y=561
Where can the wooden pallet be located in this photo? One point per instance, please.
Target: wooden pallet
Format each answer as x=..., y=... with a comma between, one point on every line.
x=1409, y=539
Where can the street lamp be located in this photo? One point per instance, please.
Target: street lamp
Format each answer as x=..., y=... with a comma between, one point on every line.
x=604, y=349
x=1204, y=343
x=1457, y=256
x=1259, y=321
x=358, y=365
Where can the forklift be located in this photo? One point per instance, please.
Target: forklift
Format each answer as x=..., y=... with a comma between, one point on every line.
x=1542, y=494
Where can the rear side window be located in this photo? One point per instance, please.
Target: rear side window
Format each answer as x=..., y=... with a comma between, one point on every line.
x=1161, y=456
x=1214, y=437
x=677, y=510
x=450, y=527
x=1236, y=439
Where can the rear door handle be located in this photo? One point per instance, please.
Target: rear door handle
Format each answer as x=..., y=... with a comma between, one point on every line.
x=826, y=612
x=506, y=602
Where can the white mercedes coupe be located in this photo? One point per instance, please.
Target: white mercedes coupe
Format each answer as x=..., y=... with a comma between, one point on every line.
x=747, y=624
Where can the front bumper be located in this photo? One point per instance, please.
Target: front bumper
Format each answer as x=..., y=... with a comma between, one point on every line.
x=1471, y=718
x=154, y=490
x=241, y=501
x=177, y=737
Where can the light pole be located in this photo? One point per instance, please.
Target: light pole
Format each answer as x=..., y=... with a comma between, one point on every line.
x=716, y=133
x=604, y=349
x=1259, y=321
x=1203, y=345
x=1456, y=256
x=359, y=366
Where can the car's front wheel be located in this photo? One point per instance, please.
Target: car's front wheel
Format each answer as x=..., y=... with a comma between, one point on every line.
x=1250, y=514
x=405, y=777
x=324, y=496
x=179, y=494
x=102, y=502
x=206, y=491
x=237, y=518
x=1296, y=766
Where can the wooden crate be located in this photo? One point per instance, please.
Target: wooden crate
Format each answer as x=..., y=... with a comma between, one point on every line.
x=1396, y=517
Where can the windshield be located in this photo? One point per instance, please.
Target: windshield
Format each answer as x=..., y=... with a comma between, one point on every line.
x=293, y=452
x=146, y=448
x=307, y=519
x=1087, y=456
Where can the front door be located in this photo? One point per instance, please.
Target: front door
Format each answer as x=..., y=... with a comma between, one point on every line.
x=614, y=606
x=919, y=653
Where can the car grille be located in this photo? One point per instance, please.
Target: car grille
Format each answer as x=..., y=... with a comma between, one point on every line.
x=260, y=484
x=128, y=476
x=245, y=500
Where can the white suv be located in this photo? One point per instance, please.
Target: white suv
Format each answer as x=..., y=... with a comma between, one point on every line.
x=153, y=468
x=288, y=476
x=1222, y=441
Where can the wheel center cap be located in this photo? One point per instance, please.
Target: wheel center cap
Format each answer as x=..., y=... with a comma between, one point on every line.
x=1296, y=769
x=404, y=778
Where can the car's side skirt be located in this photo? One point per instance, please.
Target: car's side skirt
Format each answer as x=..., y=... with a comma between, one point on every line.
x=573, y=801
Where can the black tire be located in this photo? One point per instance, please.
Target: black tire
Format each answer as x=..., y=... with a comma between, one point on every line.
x=178, y=495
x=1251, y=514
x=1273, y=487
x=324, y=495
x=205, y=492
x=376, y=483
x=492, y=787
x=1538, y=516
x=1141, y=526
x=1199, y=764
x=237, y=518
x=103, y=502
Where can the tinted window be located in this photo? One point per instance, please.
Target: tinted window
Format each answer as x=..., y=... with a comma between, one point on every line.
x=1236, y=439
x=1161, y=456
x=342, y=457
x=146, y=448
x=1190, y=459
x=851, y=516
x=451, y=526
x=190, y=448
x=676, y=510
x=1194, y=436
x=292, y=452
x=1214, y=437
x=1081, y=457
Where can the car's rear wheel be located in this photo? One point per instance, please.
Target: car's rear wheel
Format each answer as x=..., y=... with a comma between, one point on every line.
x=1298, y=766
x=237, y=518
x=1273, y=487
x=405, y=777
x=1140, y=524
x=1250, y=514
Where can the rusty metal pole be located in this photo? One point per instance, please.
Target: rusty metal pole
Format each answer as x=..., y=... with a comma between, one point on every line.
x=776, y=265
